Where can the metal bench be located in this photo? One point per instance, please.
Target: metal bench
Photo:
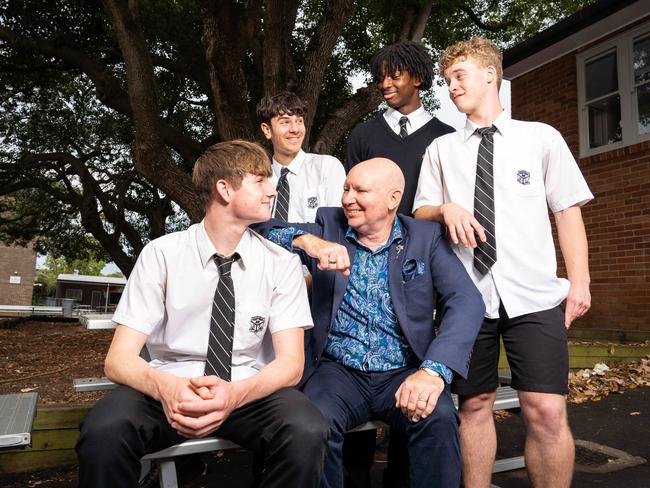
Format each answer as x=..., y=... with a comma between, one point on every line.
x=506, y=399
x=30, y=310
x=17, y=412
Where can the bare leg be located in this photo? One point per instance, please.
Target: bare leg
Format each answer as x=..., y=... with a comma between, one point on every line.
x=478, y=439
x=549, y=444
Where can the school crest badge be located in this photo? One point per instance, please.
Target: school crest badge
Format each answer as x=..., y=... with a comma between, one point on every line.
x=523, y=177
x=312, y=202
x=257, y=324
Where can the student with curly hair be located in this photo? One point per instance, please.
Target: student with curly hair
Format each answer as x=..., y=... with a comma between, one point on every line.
x=404, y=131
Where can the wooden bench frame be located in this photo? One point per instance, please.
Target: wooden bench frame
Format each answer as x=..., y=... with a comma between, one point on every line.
x=506, y=399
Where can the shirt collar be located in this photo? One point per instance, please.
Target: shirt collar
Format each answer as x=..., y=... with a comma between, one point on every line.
x=294, y=166
x=501, y=123
x=393, y=116
x=396, y=235
x=207, y=250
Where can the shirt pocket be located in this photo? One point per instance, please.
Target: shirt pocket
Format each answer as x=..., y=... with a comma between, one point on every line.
x=251, y=324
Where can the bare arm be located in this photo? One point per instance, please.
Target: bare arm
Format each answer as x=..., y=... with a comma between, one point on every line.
x=331, y=255
x=124, y=365
x=573, y=243
x=461, y=224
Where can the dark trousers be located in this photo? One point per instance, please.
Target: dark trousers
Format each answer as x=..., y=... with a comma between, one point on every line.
x=284, y=428
x=347, y=398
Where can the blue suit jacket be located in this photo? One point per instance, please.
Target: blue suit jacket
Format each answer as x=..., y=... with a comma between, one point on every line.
x=419, y=267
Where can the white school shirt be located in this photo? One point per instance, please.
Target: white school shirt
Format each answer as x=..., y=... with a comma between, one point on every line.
x=417, y=119
x=534, y=170
x=169, y=297
x=315, y=180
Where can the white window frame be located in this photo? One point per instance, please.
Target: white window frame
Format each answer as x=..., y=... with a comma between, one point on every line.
x=623, y=45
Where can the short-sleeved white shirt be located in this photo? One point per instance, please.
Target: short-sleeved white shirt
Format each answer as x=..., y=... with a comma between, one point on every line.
x=170, y=291
x=315, y=180
x=534, y=170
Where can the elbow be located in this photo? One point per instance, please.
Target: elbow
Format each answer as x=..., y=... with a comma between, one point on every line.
x=295, y=370
x=110, y=366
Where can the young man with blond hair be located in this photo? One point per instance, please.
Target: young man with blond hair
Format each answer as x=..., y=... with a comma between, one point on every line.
x=492, y=184
x=222, y=312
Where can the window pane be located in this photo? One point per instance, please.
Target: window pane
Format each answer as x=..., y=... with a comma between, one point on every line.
x=643, y=99
x=605, y=121
x=600, y=76
x=642, y=60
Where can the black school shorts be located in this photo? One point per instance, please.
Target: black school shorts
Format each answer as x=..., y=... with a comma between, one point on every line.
x=536, y=348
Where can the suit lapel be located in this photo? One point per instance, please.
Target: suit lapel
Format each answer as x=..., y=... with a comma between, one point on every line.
x=396, y=256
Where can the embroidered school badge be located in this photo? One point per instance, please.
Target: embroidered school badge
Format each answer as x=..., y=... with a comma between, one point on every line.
x=257, y=324
x=312, y=202
x=523, y=177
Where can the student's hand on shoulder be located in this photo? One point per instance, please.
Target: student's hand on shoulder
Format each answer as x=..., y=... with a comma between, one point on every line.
x=461, y=225
x=331, y=255
x=578, y=302
x=418, y=395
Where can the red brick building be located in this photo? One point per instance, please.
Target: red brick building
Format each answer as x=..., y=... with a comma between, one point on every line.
x=589, y=77
x=17, y=274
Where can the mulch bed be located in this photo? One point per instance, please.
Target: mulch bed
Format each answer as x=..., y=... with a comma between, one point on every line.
x=46, y=356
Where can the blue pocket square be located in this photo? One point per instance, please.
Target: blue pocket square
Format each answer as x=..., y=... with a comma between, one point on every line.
x=412, y=269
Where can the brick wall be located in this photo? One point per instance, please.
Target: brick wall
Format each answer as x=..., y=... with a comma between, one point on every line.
x=618, y=219
x=17, y=261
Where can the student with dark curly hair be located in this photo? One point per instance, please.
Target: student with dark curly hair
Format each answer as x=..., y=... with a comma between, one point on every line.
x=404, y=131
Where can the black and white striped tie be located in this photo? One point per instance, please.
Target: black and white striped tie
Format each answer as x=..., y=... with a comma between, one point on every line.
x=222, y=323
x=282, y=198
x=485, y=254
x=403, y=131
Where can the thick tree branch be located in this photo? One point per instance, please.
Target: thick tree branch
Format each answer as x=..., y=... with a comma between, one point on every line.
x=224, y=48
x=152, y=158
x=319, y=52
x=109, y=90
x=279, y=21
x=345, y=118
x=484, y=25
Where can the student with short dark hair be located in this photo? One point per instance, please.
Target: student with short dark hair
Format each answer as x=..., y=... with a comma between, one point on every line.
x=404, y=131
x=222, y=313
x=304, y=181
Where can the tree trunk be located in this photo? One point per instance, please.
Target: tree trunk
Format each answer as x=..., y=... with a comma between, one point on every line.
x=152, y=157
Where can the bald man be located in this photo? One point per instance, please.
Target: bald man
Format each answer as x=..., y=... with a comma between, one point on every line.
x=373, y=353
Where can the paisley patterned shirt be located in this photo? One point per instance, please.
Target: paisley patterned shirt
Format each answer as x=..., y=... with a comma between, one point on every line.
x=365, y=334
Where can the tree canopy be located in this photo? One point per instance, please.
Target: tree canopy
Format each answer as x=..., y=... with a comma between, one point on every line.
x=105, y=106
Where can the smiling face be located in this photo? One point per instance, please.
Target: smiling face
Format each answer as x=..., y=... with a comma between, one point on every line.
x=371, y=195
x=470, y=84
x=251, y=202
x=400, y=90
x=286, y=133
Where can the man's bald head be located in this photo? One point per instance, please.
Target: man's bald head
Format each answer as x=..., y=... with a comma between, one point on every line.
x=382, y=172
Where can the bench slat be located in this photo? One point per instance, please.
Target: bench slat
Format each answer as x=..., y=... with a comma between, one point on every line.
x=17, y=412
